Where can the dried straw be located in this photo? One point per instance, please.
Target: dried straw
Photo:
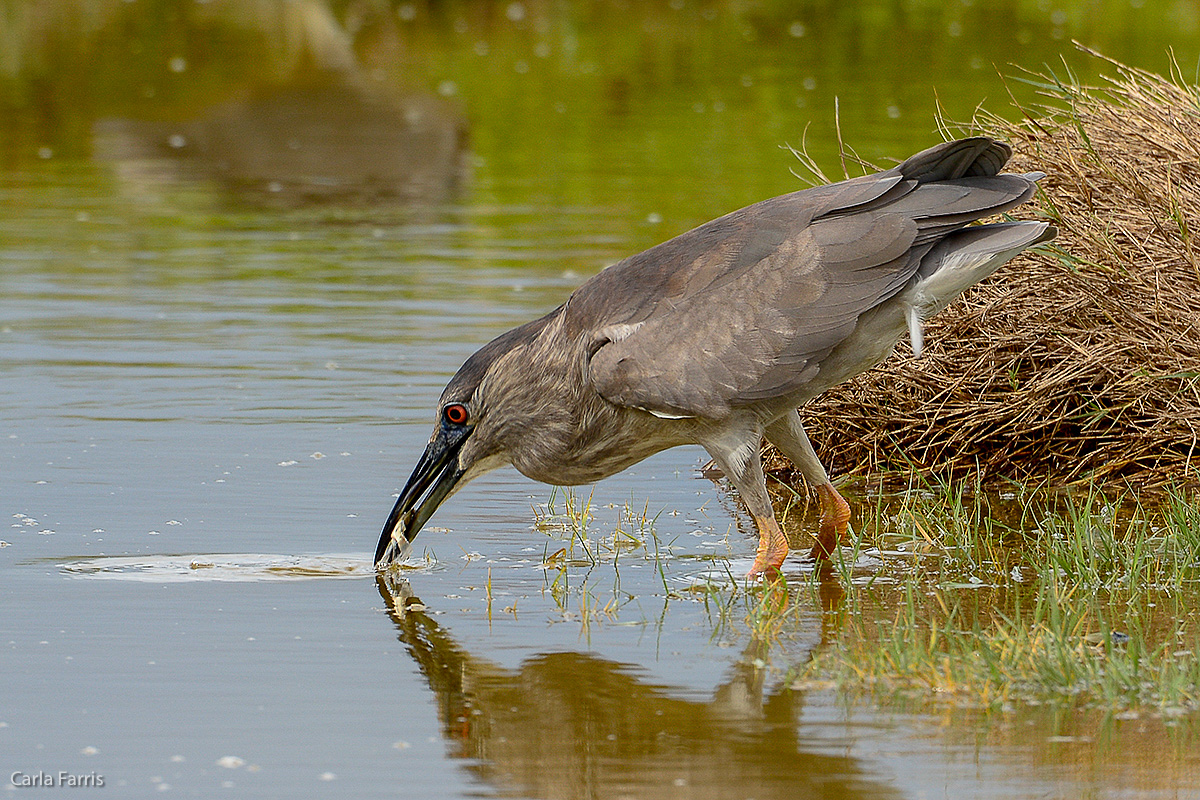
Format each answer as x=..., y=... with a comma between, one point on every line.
x=1077, y=364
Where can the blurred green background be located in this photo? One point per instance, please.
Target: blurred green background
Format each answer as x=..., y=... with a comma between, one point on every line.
x=592, y=101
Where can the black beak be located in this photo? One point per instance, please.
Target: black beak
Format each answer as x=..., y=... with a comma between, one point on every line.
x=431, y=482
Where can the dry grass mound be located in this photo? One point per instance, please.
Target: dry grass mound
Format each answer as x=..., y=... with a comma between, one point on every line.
x=1079, y=364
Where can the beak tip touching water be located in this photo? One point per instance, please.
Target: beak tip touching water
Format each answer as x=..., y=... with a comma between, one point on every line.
x=392, y=548
x=395, y=542
x=433, y=479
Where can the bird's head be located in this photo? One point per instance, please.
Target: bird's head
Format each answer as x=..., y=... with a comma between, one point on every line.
x=468, y=438
x=463, y=446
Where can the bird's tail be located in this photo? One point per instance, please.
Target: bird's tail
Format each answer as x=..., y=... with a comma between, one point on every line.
x=977, y=156
x=963, y=259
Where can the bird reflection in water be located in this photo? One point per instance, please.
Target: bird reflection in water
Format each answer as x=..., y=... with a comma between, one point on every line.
x=574, y=724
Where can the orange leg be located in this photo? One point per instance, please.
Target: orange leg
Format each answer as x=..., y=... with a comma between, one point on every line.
x=835, y=522
x=772, y=548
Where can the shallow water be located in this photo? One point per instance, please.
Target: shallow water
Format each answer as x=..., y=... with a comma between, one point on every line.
x=214, y=385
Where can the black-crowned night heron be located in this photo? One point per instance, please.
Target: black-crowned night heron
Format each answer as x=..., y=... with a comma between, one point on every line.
x=718, y=336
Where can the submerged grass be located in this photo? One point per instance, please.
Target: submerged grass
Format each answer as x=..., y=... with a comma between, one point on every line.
x=572, y=577
x=1093, y=605
x=950, y=597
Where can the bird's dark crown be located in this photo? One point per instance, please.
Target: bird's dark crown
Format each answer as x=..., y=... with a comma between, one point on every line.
x=462, y=386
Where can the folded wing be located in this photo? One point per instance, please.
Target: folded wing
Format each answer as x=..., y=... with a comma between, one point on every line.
x=745, y=307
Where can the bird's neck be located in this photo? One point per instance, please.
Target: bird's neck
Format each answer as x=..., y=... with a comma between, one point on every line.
x=565, y=433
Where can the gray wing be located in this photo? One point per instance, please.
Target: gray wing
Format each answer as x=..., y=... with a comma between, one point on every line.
x=745, y=307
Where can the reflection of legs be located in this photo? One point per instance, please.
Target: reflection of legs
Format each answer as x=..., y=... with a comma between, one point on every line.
x=832, y=595
x=745, y=473
x=787, y=433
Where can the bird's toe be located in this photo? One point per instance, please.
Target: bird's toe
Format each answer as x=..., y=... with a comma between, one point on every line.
x=772, y=549
x=835, y=523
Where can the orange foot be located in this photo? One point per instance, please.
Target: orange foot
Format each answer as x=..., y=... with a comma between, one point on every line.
x=772, y=549
x=835, y=522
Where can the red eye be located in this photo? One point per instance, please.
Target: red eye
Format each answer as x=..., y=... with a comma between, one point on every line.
x=455, y=413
